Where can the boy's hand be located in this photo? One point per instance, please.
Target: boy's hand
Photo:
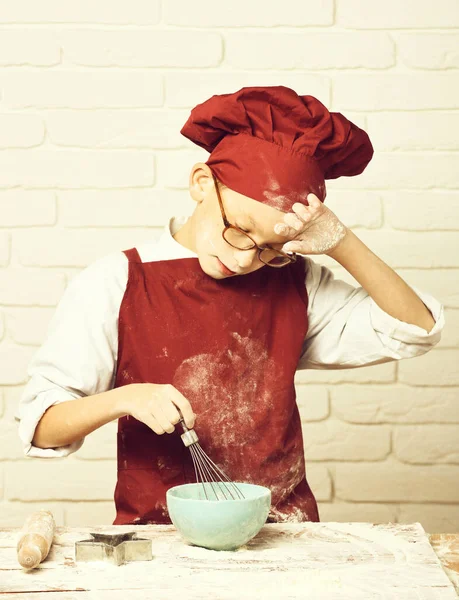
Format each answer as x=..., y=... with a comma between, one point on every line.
x=157, y=406
x=312, y=229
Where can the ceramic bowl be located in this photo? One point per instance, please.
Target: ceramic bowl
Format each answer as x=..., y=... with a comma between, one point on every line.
x=218, y=524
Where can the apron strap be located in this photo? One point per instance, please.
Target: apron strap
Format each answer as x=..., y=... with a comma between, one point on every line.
x=133, y=255
x=134, y=259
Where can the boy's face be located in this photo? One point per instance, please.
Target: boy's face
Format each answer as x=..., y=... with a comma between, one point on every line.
x=203, y=233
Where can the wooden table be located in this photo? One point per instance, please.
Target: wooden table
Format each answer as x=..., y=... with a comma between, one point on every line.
x=446, y=547
x=355, y=561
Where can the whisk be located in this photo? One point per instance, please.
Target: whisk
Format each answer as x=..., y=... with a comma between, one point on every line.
x=212, y=478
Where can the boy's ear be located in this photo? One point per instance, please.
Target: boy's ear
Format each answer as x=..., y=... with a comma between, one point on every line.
x=201, y=181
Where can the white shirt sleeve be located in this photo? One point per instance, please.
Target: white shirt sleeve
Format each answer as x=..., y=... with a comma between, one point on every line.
x=79, y=354
x=347, y=329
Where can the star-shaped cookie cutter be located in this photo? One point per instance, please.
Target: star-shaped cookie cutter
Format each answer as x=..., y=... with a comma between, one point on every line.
x=116, y=548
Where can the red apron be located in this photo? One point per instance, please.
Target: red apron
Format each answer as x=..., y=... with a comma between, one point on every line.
x=231, y=347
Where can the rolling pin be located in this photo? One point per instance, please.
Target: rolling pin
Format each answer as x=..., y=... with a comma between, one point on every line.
x=35, y=539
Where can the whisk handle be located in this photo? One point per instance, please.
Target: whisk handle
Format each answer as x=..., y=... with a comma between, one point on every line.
x=189, y=436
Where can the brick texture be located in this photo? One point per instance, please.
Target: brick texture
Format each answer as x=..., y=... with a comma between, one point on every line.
x=73, y=247
x=78, y=480
x=28, y=287
x=396, y=91
x=137, y=12
x=349, y=511
x=423, y=130
x=399, y=209
x=391, y=481
x=395, y=404
x=21, y=131
x=119, y=208
x=77, y=169
x=92, y=99
x=80, y=88
x=421, y=444
x=396, y=15
x=107, y=129
x=248, y=14
x=439, y=367
x=5, y=248
x=337, y=441
x=27, y=208
x=141, y=48
x=188, y=88
x=444, y=281
x=429, y=51
x=298, y=51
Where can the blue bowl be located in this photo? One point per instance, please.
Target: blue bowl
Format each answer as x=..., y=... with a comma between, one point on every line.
x=218, y=524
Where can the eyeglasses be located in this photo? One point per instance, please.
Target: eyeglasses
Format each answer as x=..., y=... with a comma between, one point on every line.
x=241, y=240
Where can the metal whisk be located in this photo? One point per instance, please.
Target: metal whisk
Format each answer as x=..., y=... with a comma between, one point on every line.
x=212, y=478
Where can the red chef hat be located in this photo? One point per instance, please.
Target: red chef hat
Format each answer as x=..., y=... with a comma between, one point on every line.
x=274, y=146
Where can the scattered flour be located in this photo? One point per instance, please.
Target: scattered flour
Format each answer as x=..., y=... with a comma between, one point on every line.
x=225, y=404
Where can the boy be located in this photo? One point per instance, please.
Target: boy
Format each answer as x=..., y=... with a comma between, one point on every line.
x=214, y=319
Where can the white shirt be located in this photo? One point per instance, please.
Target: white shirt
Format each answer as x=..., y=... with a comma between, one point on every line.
x=79, y=354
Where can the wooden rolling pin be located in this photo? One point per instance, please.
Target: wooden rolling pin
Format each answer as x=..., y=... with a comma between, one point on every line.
x=35, y=539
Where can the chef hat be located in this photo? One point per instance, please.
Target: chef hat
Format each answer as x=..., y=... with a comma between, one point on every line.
x=274, y=146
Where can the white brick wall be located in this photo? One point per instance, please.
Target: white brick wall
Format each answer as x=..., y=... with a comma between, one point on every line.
x=92, y=98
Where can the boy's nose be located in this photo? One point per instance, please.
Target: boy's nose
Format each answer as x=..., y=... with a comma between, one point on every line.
x=245, y=258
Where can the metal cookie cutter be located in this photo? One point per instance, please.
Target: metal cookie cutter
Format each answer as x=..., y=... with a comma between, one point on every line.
x=116, y=548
